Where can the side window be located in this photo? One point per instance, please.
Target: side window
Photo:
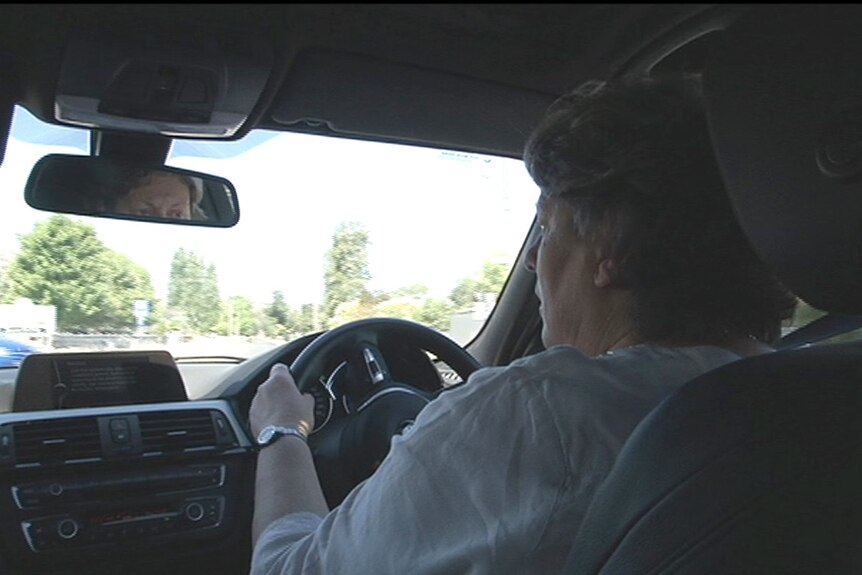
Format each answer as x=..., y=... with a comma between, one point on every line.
x=805, y=314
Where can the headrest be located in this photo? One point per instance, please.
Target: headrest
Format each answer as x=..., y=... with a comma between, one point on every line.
x=783, y=93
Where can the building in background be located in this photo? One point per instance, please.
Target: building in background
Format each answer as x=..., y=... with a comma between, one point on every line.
x=29, y=323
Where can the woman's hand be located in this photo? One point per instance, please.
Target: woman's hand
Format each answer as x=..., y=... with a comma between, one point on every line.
x=279, y=402
x=286, y=481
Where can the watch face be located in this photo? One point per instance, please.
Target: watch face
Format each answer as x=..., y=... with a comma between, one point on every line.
x=266, y=435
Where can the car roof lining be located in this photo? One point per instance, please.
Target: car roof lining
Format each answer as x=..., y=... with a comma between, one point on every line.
x=495, y=58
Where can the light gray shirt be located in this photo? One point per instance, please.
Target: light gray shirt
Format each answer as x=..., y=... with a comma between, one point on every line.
x=496, y=475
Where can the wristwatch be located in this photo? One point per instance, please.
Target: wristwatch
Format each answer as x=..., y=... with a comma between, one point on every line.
x=270, y=434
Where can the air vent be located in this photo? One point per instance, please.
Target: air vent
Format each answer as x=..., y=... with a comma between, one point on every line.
x=57, y=440
x=166, y=431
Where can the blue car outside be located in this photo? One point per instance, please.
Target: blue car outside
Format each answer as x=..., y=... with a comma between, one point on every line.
x=12, y=352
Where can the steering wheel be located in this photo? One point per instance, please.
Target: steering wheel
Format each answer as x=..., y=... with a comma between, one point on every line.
x=349, y=448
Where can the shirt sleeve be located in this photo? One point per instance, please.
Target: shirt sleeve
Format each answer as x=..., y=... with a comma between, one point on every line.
x=279, y=540
x=457, y=493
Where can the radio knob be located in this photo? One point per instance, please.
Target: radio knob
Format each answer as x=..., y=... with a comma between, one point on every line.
x=67, y=528
x=194, y=512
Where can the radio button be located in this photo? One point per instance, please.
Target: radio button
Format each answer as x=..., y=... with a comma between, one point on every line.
x=119, y=431
x=67, y=528
x=194, y=512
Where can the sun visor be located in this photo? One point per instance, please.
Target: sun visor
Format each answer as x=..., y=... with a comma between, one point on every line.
x=158, y=86
x=361, y=96
x=783, y=93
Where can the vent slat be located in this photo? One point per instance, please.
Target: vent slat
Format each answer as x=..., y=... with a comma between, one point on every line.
x=176, y=430
x=56, y=440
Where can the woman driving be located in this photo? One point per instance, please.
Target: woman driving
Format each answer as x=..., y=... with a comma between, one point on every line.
x=645, y=282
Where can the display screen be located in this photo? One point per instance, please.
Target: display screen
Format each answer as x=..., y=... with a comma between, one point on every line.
x=125, y=516
x=68, y=380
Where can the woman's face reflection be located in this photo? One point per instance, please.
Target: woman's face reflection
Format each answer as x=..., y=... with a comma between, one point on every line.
x=163, y=195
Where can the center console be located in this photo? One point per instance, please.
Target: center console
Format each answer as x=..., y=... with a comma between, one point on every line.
x=122, y=483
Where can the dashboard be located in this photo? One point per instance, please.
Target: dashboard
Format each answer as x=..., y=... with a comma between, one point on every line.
x=103, y=456
x=121, y=481
x=136, y=479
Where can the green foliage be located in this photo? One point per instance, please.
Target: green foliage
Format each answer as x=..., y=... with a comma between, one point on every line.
x=163, y=320
x=404, y=308
x=346, y=275
x=307, y=319
x=417, y=307
x=473, y=289
x=436, y=313
x=193, y=290
x=353, y=310
x=63, y=263
x=277, y=319
x=280, y=320
x=347, y=298
x=414, y=291
x=278, y=310
x=5, y=262
x=239, y=317
x=493, y=277
x=464, y=294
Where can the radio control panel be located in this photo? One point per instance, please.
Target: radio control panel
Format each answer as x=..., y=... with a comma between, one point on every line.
x=34, y=495
x=97, y=528
x=64, y=515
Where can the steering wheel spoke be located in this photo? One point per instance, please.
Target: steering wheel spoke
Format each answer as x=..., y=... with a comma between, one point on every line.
x=375, y=366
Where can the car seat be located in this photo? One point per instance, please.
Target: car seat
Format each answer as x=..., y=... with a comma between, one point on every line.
x=756, y=467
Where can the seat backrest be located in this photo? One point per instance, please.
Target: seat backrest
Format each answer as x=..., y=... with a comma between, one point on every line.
x=757, y=466
x=753, y=468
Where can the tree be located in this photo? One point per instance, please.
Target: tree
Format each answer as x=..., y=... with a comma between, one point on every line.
x=207, y=315
x=239, y=317
x=193, y=290
x=418, y=291
x=473, y=289
x=436, y=313
x=346, y=275
x=163, y=321
x=463, y=295
x=405, y=308
x=278, y=319
x=5, y=262
x=412, y=302
x=307, y=320
x=278, y=310
x=63, y=263
x=353, y=310
x=493, y=277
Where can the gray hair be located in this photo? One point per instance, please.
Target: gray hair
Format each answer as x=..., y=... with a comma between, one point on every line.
x=634, y=161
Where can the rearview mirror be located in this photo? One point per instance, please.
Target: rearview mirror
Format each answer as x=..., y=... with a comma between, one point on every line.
x=102, y=187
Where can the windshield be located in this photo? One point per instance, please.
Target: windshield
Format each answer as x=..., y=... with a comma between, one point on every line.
x=330, y=230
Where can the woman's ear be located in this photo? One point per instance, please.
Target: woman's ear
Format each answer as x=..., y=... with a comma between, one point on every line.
x=604, y=276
